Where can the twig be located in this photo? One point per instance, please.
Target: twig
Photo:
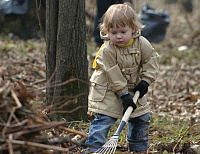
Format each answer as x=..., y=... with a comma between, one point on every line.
x=71, y=99
x=39, y=81
x=73, y=131
x=71, y=111
x=8, y=122
x=52, y=75
x=14, y=96
x=17, y=124
x=3, y=105
x=77, y=143
x=185, y=132
x=37, y=128
x=37, y=145
x=65, y=129
x=5, y=87
x=38, y=16
x=64, y=83
x=10, y=145
x=177, y=143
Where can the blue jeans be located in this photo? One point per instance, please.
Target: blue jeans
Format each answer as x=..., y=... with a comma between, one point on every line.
x=137, y=135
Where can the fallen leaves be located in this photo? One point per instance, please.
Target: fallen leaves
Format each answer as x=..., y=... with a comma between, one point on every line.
x=179, y=97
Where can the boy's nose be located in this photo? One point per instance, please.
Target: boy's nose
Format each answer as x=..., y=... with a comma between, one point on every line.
x=119, y=36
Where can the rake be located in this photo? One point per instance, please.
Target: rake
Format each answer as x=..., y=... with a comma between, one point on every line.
x=110, y=146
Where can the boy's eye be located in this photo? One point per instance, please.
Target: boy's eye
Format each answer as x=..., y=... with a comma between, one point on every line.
x=113, y=33
x=123, y=32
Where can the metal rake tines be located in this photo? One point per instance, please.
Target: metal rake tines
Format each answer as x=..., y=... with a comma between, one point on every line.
x=109, y=147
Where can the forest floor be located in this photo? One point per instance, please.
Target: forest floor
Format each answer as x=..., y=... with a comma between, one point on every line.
x=174, y=97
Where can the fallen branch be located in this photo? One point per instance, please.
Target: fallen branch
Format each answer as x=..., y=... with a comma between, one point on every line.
x=14, y=96
x=71, y=111
x=73, y=131
x=37, y=128
x=71, y=100
x=64, y=83
x=37, y=145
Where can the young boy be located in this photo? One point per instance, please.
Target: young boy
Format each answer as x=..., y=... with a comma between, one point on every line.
x=124, y=64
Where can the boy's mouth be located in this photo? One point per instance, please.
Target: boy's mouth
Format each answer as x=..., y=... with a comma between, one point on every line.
x=120, y=42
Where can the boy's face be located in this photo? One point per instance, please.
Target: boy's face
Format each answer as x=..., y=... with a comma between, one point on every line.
x=120, y=36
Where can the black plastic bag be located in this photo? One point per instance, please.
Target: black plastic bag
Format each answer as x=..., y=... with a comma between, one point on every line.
x=13, y=7
x=156, y=23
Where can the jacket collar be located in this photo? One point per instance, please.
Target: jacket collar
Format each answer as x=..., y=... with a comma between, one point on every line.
x=129, y=48
x=105, y=37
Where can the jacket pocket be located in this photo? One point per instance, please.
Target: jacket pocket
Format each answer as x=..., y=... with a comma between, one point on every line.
x=97, y=92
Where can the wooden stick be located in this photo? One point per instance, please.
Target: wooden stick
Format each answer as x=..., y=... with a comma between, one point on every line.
x=38, y=16
x=5, y=87
x=63, y=83
x=10, y=145
x=185, y=132
x=71, y=100
x=71, y=111
x=8, y=122
x=37, y=145
x=39, y=81
x=73, y=131
x=36, y=128
x=14, y=96
x=66, y=129
x=177, y=143
x=52, y=76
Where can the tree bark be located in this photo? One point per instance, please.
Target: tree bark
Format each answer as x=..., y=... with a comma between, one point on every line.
x=67, y=52
x=51, y=39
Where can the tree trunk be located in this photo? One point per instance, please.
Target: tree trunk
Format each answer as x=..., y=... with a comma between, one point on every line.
x=67, y=53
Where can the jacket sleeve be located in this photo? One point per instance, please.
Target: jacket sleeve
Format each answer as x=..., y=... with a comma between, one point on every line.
x=149, y=62
x=107, y=61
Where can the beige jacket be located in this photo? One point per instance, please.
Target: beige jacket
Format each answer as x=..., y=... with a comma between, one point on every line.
x=118, y=70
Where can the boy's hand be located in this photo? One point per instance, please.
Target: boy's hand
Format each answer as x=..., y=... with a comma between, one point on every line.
x=127, y=101
x=142, y=87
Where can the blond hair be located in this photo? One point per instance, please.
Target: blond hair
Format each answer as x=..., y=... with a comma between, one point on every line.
x=120, y=15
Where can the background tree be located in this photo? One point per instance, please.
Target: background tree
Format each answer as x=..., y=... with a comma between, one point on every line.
x=24, y=25
x=66, y=57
